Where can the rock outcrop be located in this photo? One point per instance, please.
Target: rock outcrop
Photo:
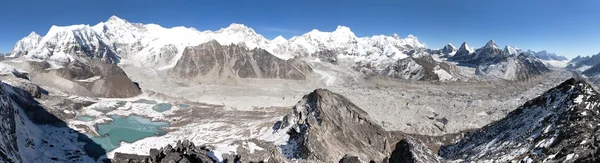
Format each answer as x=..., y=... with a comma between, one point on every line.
x=325, y=126
x=98, y=78
x=213, y=61
x=422, y=68
x=519, y=67
x=558, y=126
x=30, y=133
x=411, y=150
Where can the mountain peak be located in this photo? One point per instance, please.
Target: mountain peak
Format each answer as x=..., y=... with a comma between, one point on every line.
x=491, y=44
x=466, y=47
x=33, y=34
x=114, y=18
x=511, y=50
x=279, y=39
x=341, y=28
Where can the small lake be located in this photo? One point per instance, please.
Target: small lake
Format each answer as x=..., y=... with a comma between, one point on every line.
x=106, y=109
x=145, y=101
x=127, y=129
x=162, y=107
x=85, y=118
x=183, y=106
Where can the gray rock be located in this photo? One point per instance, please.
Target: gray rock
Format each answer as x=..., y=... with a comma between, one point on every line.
x=326, y=126
x=349, y=159
x=214, y=61
x=558, y=126
x=410, y=150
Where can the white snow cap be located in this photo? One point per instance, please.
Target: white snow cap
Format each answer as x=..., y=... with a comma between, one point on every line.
x=491, y=44
x=141, y=44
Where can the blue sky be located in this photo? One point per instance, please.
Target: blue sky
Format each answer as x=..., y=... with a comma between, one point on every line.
x=569, y=28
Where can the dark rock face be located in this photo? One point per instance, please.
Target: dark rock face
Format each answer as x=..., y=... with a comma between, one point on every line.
x=212, y=60
x=411, y=150
x=462, y=53
x=9, y=152
x=447, y=49
x=112, y=81
x=20, y=116
x=349, y=159
x=489, y=52
x=183, y=152
x=327, y=56
x=558, y=126
x=326, y=126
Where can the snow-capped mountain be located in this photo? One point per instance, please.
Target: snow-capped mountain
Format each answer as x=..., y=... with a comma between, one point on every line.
x=558, y=126
x=117, y=40
x=26, y=44
x=581, y=64
x=463, y=53
x=449, y=50
x=512, y=50
x=550, y=59
x=491, y=62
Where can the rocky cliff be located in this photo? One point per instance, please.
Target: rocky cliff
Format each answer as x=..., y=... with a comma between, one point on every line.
x=213, y=61
x=325, y=126
x=558, y=126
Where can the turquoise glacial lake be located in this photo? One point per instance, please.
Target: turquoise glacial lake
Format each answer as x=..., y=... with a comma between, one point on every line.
x=85, y=118
x=127, y=129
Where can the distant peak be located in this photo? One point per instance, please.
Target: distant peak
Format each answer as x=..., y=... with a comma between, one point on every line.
x=465, y=46
x=491, y=44
x=395, y=35
x=411, y=36
x=33, y=34
x=341, y=28
x=237, y=26
x=115, y=18
x=279, y=39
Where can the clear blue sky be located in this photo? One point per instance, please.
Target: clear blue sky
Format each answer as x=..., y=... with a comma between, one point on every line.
x=567, y=27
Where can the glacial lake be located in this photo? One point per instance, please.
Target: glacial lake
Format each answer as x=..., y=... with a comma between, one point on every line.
x=162, y=107
x=127, y=129
x=183, y=106
x=85, y=118
x=145, y=101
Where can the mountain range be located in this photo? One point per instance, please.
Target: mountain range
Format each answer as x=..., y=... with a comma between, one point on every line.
x=150, y=45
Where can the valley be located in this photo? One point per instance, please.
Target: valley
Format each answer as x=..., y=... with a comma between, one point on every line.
x=133, y=92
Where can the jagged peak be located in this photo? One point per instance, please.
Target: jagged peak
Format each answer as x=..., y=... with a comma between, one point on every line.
x=450, y=45
x=491, y=44
x=465, y=46
x=33, y=35
x=410, y=36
